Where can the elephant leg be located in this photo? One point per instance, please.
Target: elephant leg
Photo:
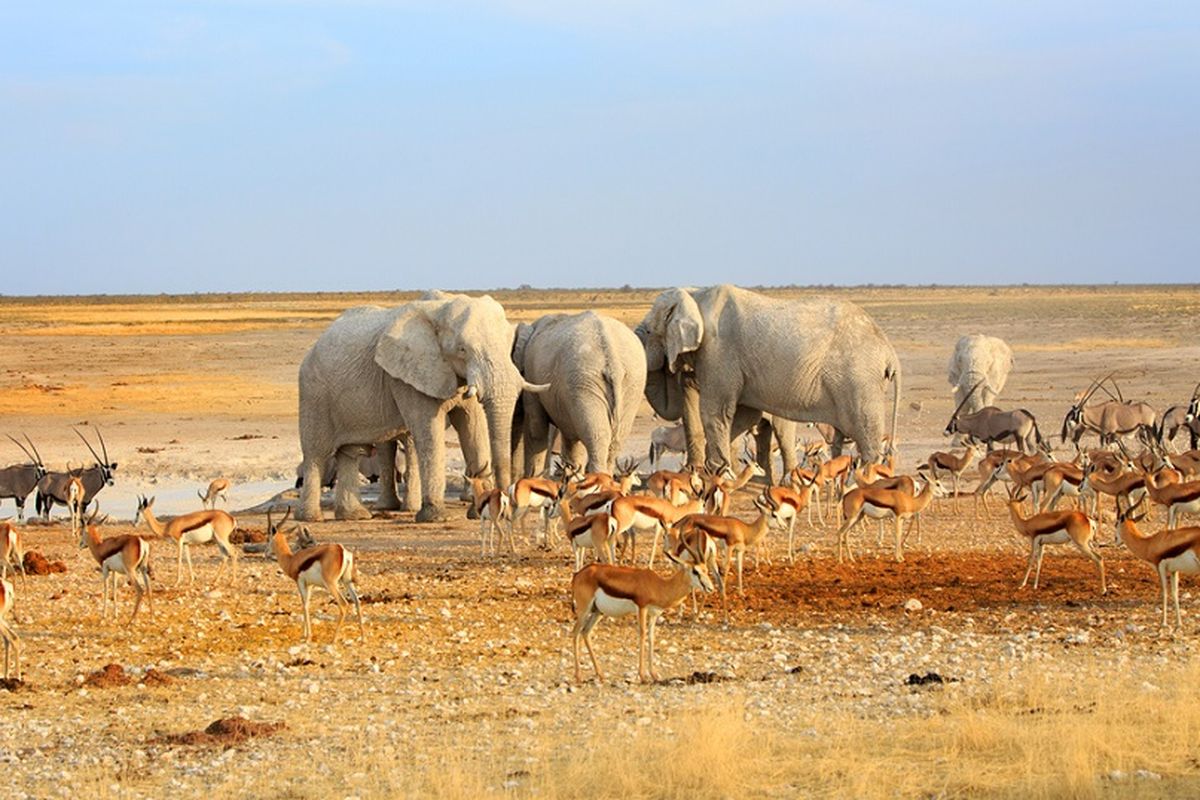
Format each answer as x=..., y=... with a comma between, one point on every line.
x=430, y=448
x=717, y=414
x=310, y=491
x=786, y=432
x=470, y=423
x=412, y=475
x=762, y=444
x=346, y=502
x=574, y=452
x=537, y=436
x=388, y=500
x=839, y=441
x=597, y=439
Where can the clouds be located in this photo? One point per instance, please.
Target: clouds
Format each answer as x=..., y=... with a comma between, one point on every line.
x=375, y=144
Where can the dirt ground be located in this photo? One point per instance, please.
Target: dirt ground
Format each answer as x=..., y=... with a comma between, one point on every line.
x=462, y=685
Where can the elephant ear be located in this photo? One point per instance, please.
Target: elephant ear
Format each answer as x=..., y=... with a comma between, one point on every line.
x=684, y=328
x=408, y=350
x=523, y=333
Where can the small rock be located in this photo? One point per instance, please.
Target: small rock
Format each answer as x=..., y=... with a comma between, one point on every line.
x=1147, y=775
x=913, y=605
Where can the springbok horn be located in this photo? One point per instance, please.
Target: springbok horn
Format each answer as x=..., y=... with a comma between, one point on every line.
x=89, y=446
x=270, y=526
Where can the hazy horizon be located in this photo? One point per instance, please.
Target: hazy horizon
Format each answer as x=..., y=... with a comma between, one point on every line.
x=376, y=145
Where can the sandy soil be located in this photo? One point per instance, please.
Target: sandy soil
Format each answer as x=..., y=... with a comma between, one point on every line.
x=462, y=685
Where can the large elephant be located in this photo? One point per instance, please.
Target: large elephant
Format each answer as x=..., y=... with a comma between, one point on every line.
x=983, y=360
x=721, y=353
x=377, y=374
x=596, y=369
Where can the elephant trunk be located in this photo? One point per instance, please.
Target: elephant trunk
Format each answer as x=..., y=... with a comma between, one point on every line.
x=498, y=387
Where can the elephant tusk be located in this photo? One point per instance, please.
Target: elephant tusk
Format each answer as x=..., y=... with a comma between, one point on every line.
x=536, y=388
x=472, y=391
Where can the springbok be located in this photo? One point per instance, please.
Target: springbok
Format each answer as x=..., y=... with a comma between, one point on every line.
x=198, y=527
x=325, y=566
x=1054, y=527
x=216, y=489
x=12, y=642
x=1169, y=552
x=605, y=590
x=126, y=555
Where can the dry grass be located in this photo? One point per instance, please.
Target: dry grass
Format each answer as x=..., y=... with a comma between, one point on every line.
x=1030, y=738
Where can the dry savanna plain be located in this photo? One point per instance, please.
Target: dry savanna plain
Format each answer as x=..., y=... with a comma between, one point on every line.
x=462, y=686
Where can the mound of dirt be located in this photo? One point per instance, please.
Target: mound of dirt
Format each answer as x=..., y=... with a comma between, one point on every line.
x=226, y=732
x=108, y=677
x=36, y=564
x=248, y=536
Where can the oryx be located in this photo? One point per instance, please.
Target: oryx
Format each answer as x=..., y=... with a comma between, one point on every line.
x=18, y=480
x=989, y=425
x=1181, y=418
x=52, y=488
x=1109, y=420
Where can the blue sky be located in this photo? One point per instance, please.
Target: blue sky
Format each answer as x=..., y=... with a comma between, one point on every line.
x=190, y=146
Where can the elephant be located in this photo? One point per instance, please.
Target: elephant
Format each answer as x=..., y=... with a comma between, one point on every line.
x=722, y=353
x=596, y=369
x=983, y=360
x=378, y=374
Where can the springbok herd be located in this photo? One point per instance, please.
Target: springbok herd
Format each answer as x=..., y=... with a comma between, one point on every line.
x=685, y=514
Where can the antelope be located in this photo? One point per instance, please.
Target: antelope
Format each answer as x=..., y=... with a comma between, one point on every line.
x=1028, y=475
x=18, y=480
x=1126, y=485
x=940, y=461
x=605, y=590
x=198, y=527
x=11, y=551
x=831, y=473
x=638, y=512
x=658, y=482
x=595, y=531
x=901, y=483
x=1054, y=527
x=989, y=468
x=990, y=424
x=52, y=488
x=807, y=481
x=127, y=555
x=76, y=502
x=12, y=642
x=327, y=566
x=1178, y=418
x=1109, y=420
x=667, y=439
x=1169, y=552
x=1188, y=464
x=1179, y=498
x=786, y=504
x=721, y=490
x=624, y=481
x=695, y=544
x=492, y=506
x=533, y=494
x=216, y=488
x=1064, y=480
x=735, y=534
x=882, y=504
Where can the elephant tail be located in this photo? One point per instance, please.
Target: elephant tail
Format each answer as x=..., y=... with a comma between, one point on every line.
x=892, y=373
